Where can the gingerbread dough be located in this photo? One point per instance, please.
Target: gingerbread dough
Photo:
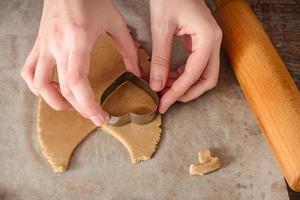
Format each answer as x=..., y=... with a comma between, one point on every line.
x=206, y=164
x=120, y=101
x=59, y=132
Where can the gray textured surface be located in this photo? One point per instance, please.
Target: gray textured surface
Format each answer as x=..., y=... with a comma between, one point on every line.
x=100, y=167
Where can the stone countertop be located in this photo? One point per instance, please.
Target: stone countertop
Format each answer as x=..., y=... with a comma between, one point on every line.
x=100, y=167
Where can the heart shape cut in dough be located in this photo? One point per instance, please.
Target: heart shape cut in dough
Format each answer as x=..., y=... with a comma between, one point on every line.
x=130, y=99
x=60, y=132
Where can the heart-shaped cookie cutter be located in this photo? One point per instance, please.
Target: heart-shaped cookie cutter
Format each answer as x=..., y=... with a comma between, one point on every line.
x=131, y=117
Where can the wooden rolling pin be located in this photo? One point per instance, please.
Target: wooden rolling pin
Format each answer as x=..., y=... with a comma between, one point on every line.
x=266, y=83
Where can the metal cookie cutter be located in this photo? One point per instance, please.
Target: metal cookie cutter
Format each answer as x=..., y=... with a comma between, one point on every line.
x=131, y=117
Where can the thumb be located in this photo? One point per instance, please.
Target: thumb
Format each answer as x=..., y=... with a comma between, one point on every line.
x=161, y=50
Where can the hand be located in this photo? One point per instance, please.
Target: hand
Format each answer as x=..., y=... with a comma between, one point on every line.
x=68, y=31
x=202, y=37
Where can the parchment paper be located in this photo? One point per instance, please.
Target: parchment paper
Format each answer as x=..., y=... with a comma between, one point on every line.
x=100, y=168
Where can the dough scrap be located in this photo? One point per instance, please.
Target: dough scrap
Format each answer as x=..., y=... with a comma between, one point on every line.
x=60, y=132
x=206, y=164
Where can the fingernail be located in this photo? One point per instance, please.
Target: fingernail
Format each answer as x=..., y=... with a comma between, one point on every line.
x=156, y=84
x=162, y=111
x=96, y=120
x=106, y=117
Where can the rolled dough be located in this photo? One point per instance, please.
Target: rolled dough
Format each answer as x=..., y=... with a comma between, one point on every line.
x=124, y=100
x=206, y=164
x=60, y=132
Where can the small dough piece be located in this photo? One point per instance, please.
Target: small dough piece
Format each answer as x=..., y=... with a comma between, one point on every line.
x=204, y=156
x=60, y=132
x=206, y=164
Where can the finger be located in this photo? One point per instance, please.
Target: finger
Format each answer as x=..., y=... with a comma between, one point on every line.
x=193, y=70
x=173, y=74
x=43, y=83
x=62, y=60
x=78, y=68
x=172, y=77
x=60, y=50
x=126, y=45
x=207, y=81
x=181, y=69
x=162, y=37
x=187, y=41
x=161, y=93
x=170, y=82
x=56, y=86
x=28, y=69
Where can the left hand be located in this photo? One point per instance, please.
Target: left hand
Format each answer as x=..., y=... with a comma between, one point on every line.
x=67, y=34
x=202, y=36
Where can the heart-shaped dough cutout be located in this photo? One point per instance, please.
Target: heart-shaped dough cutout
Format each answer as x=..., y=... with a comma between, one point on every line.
x=117, y=103
x=130, y=99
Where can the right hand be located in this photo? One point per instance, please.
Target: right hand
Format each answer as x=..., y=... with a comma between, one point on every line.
x=202, y=37
x=67, y=33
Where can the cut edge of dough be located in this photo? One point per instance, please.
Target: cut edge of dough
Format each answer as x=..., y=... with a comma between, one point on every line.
x=55, y=166
x=142, y=158
x=135, y=155
x=60, y=165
